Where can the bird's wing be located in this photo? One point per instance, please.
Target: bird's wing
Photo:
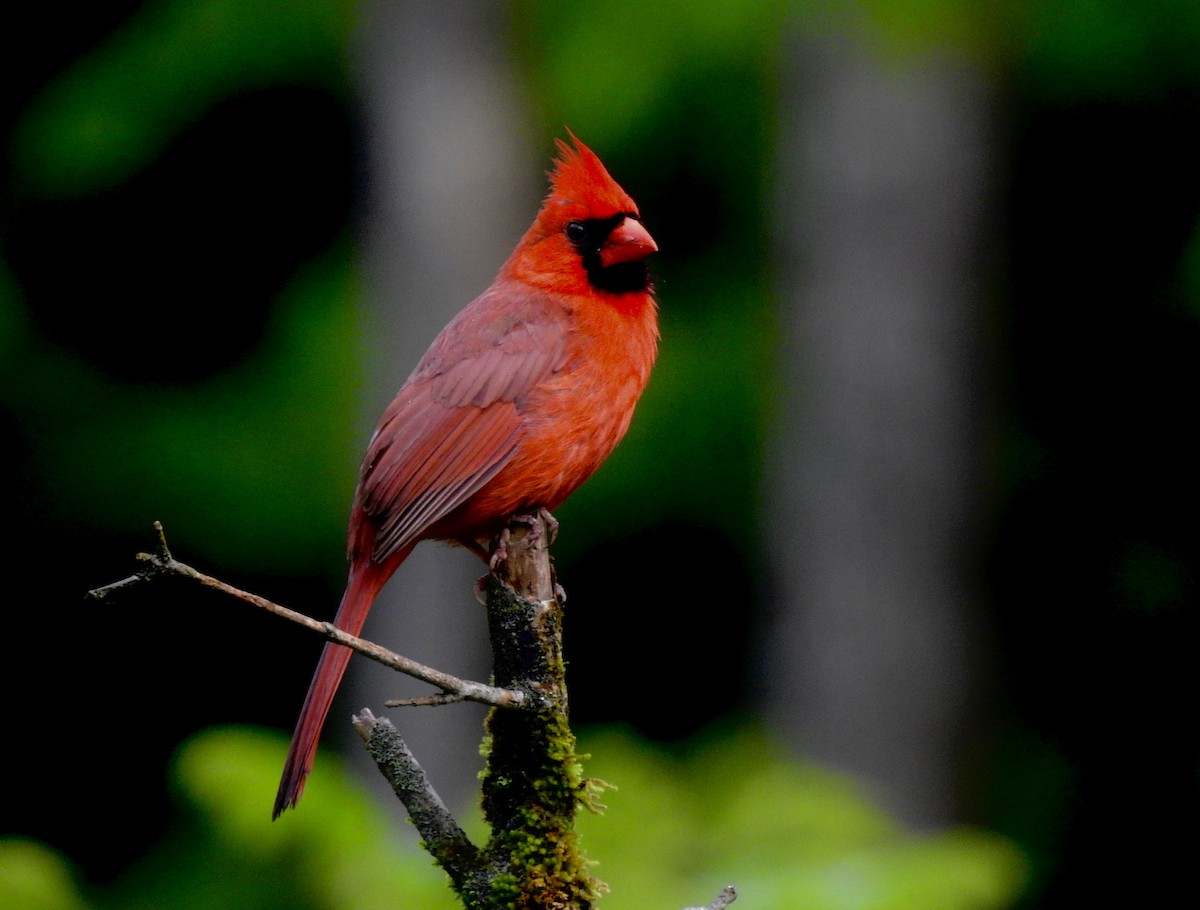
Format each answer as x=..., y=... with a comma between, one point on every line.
x=458, y=419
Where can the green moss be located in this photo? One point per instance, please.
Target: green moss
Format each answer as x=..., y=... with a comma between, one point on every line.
x=532, y=787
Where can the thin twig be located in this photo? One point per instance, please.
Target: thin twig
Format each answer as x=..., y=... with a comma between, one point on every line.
x=442, y=698
x=161, y=562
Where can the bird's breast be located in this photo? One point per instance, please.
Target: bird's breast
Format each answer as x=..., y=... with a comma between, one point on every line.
x=572, y=419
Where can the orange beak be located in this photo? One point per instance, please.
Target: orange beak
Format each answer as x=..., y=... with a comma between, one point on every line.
x=627, y=242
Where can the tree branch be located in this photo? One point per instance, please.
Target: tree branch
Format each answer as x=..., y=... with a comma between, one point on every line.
x=446, y=842
x=533, y=783
x=161, y=563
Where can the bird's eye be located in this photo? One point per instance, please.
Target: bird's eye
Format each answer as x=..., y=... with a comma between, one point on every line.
x=577, y=232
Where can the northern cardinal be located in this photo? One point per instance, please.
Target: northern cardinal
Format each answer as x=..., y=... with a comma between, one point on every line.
x=517, y=401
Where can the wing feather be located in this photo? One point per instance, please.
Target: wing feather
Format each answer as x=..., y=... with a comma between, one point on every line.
x=458, y=420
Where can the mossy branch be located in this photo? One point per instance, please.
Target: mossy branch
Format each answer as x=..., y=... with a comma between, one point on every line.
x=533, y=783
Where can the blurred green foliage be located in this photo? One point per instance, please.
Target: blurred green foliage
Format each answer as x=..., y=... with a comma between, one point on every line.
x=732, y=809
x=675, y=830
x=232, y=460
x=1073, y=50
x=225, y=851
x=235, y=460
x=115, y=110
x=34, y=877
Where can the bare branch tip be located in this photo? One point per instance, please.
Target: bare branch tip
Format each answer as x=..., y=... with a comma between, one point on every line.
x=727, y=896
x=103, y=592
x=364, y=723
x=164, y=551
x=442, y=698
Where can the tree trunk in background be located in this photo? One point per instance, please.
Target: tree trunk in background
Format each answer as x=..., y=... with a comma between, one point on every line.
x=875, y=472
x=450, y=189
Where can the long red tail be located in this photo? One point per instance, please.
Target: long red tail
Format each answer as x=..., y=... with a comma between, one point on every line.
x=365, y=580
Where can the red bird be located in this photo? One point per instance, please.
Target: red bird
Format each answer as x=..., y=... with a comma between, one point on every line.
x=519, y=399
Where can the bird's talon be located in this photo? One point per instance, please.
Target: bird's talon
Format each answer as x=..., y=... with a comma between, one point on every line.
x=551, y=524
x=499, y=549
x=534, y=521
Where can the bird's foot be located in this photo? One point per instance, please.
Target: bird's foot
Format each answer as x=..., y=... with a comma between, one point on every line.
x=534, y=521
x=499, y=549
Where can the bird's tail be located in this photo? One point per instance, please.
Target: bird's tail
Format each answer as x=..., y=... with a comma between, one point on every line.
x=366, y=578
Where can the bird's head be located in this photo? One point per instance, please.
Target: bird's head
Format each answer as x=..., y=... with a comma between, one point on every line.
x=588, y=234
